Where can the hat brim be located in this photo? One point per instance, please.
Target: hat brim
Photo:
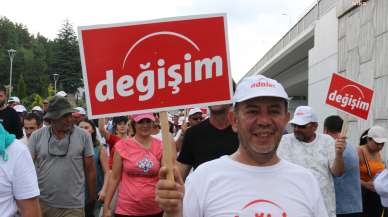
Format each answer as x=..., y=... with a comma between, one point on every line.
x=299, y=121
x=380, y=140
x=58, y=114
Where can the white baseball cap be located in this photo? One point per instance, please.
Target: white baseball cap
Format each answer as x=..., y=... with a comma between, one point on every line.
x=381, y=186
x=37, y=108
x=303, y=115
x=20, y=108
x=257, y=86
x=194, y=111
x=14, y=99
x=61, y=93
x=378, y=134
x=80, y=110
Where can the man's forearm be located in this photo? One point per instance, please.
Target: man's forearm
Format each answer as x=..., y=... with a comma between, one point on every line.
x=91, y=180
x=338, y=167
x=29, y=207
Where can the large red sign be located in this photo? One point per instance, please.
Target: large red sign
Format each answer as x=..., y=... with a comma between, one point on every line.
x=349, y=96
x=155, y=66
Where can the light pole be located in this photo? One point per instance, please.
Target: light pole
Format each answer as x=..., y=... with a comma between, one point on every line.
x=289, y=19
x=11, y=54
x=56, y=77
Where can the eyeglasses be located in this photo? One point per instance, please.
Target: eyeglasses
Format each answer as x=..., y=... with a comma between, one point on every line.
x=300, y=126
x=197, y=118
x=58, y=149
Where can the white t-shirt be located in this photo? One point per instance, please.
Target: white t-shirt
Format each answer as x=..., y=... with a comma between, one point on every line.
x=318, y=156
x=17, y=178
x=227, y=188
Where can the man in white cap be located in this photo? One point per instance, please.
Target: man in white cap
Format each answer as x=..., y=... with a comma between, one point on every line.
x=253, y=181
x=13, y=101
x=194, y=118
x=315, y=151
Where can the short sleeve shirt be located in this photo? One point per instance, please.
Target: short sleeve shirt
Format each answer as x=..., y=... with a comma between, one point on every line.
x=136, y=196
x=60, y=166
x=318, y=156
x=17, y=178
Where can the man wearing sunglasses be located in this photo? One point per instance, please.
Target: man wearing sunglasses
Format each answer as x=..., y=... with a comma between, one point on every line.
x=315, y=151
x=63, y=154
x=194, y=118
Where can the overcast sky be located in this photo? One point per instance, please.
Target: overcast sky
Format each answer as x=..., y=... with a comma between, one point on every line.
x=254, y=26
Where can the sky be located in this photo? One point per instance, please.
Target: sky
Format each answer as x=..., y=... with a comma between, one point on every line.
x=254, y=26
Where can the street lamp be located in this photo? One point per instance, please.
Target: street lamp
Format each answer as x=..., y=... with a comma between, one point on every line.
x=289, y=18
x=56, y=77
x=11, y=54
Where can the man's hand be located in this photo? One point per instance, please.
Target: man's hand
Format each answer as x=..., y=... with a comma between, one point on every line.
x=169, y=194
x=369, y=185
x=184, y=127
x=340, y=145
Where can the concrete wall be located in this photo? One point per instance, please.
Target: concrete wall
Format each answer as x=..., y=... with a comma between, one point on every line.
x=363, y=56
x=322, y=63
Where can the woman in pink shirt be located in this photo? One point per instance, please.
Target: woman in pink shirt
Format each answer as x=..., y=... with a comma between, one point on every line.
x=135, y=170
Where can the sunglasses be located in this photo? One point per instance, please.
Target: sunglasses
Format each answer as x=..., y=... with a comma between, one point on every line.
x=197, y=118
x=58, y=149
x=300, y=126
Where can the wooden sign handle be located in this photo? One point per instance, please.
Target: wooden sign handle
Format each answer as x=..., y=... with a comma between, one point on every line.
x=169, y=152
x=345, y=125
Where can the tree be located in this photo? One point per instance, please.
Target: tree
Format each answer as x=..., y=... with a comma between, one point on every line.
x=21, y=87
x=66, y=59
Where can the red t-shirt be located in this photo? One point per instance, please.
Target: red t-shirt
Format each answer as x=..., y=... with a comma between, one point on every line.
x=112, y=140
x=136, y=195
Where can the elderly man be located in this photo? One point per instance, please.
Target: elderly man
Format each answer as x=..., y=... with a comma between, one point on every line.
x=253, y=181
x=315, y=151
x=64, y=157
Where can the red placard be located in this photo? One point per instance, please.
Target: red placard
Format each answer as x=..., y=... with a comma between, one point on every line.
x=156, y=65
x=349, y=96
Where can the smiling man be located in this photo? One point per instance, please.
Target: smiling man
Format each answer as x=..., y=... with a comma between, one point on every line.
x=253, y=181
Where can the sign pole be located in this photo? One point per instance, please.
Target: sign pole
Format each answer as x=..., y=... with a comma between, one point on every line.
x=169, y=151
x=345, y=125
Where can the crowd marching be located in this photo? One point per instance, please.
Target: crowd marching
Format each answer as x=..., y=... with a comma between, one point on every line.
x=235, y=160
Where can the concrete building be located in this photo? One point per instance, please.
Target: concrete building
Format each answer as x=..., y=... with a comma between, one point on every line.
x=345, y=36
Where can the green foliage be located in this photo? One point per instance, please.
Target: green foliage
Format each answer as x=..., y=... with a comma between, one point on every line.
x=21, y=87
x=50, y=90
x=37, y=58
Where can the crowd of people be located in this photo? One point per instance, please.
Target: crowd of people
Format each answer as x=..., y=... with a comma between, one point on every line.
x=234, y=160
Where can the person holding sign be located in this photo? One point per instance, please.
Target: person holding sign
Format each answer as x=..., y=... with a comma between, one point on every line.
x=135, y=170
x=315, y=151
x=370, y=165
x=253, y=181
x=347, y=187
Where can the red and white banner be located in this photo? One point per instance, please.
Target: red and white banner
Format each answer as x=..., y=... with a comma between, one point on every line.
x=155, y=66
x=349, y=96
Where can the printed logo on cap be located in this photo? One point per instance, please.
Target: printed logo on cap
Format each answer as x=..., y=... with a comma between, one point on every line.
x=349, y=96
x=261, y=83
x=155, y=65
